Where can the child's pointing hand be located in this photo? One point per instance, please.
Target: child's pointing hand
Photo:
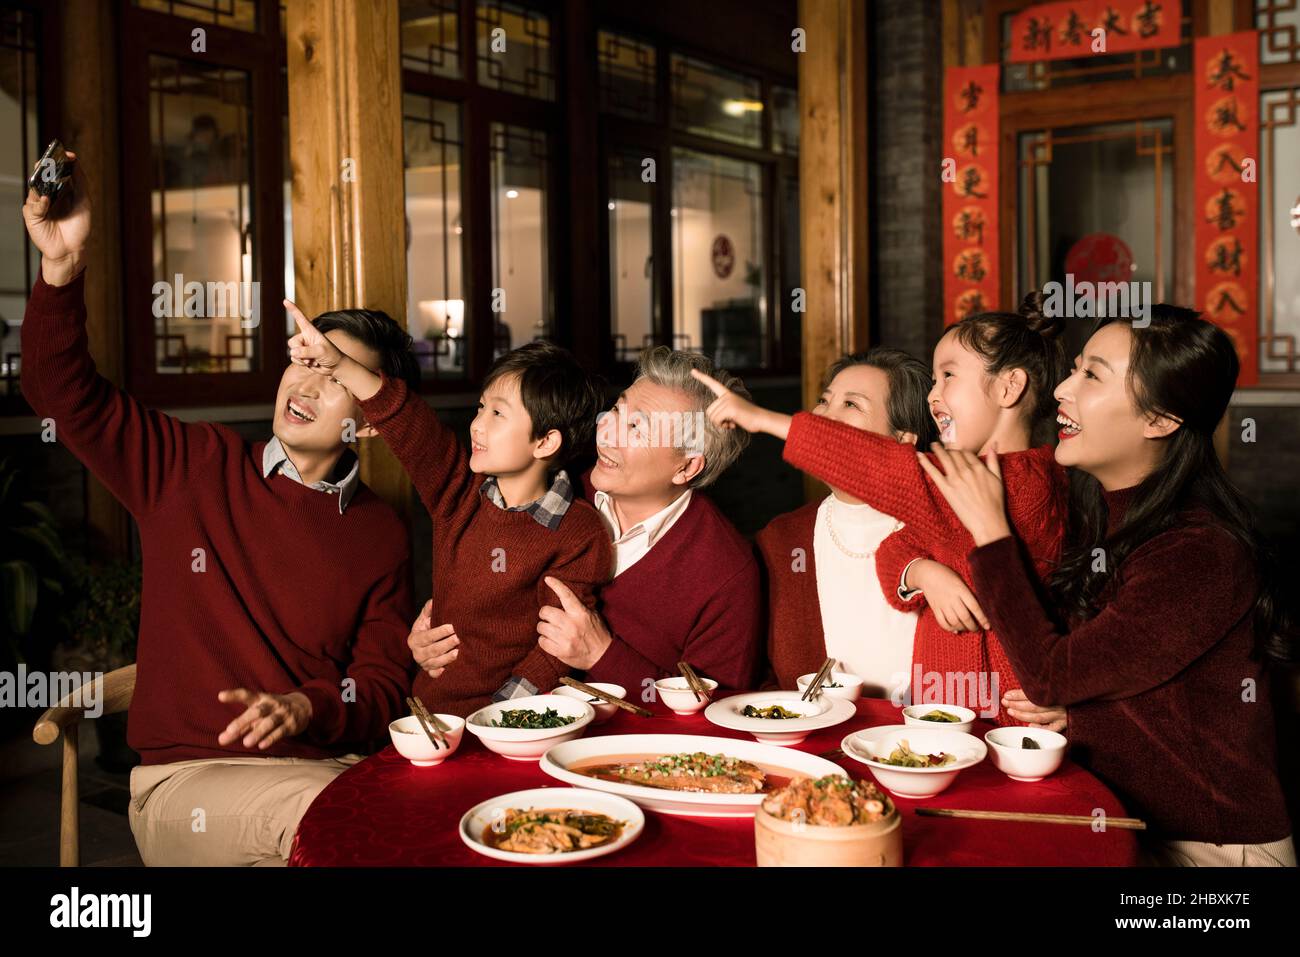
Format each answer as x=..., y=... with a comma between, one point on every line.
x=729, y=410
x=310, y=347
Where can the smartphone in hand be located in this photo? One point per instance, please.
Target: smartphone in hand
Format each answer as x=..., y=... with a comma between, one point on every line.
x=53, y=173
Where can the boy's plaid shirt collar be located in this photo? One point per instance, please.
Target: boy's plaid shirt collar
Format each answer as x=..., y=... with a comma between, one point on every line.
x=547, y=510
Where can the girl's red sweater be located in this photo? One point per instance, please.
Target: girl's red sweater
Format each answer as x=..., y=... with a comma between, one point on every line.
x=887, y=475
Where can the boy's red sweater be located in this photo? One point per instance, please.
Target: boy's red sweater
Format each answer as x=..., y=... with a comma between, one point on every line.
x=488, y=563
x=249, y=582
x=887, y=475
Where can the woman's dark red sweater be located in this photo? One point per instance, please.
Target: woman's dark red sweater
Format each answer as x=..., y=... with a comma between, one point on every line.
x=1166, y=702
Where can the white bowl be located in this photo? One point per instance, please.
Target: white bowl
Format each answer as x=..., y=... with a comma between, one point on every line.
x=821, y=712
x=413, y=744
x=480, y=817
x=1026, y=764
x=866, y=746
x=677, y=694
x=604, y=710
x=851, y=691
x=912, y=715
x=529, y=744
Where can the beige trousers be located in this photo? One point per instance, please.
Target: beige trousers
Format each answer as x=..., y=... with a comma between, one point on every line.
x=224, y=812
x=1200, y=854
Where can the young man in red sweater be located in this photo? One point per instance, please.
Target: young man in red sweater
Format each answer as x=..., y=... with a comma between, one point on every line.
x=276, y=587
x=508, y=533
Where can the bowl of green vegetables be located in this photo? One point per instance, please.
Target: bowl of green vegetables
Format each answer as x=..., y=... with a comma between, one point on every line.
x=523, y=729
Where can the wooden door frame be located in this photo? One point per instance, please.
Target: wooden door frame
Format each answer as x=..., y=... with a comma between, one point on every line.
x=1154, y=98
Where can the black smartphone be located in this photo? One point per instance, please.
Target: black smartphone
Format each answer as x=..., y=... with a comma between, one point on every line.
x=53, y=171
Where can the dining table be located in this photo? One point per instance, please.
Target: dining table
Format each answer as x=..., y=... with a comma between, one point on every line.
x=384, y=811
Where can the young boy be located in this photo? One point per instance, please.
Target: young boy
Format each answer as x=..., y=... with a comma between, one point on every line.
x=504, y=514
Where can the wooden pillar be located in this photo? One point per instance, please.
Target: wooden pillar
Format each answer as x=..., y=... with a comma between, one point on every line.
x=345, y=127
x=88, y=124
x=833, y=182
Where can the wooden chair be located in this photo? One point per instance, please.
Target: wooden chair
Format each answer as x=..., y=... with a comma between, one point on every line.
x=114, y=690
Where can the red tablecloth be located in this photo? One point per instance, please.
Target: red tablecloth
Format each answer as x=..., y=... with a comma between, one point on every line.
x=385, y=811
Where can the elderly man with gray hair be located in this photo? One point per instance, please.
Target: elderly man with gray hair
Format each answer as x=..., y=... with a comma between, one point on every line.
x=686, y=583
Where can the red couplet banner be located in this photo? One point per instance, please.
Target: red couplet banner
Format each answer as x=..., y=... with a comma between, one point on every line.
x=1058, y=31
x=1226, y=142
x=970, y=191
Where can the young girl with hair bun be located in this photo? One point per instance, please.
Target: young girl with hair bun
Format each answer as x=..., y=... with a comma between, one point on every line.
x=1162, y=614
x=993, y=379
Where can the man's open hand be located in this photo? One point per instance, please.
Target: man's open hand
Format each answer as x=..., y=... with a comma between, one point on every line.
x=433, y=648
x=267, y=717
x=61, y=238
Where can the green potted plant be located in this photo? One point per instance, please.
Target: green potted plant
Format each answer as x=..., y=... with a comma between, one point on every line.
x=102, y=623
x=34, y=571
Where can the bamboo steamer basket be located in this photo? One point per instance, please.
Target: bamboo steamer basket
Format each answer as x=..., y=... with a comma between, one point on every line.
x=780, y=843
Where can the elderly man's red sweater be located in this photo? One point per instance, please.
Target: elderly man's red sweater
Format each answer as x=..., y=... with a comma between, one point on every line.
x=693, y=597
x=887, y=475
x=249, y=581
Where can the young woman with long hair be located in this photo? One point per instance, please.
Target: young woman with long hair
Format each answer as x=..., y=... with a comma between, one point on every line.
x=1161, y=615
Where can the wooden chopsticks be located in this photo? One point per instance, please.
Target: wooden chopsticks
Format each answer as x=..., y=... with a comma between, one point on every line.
x=1123, y=823
x=430, y=724
x=815, y=686
x=606, y=696
x=698, y=687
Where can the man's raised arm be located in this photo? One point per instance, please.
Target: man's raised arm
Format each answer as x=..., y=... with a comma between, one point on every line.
x=136, y=452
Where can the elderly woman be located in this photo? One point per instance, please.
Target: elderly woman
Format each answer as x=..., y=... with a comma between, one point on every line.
x=686, y=583
x=834, y=567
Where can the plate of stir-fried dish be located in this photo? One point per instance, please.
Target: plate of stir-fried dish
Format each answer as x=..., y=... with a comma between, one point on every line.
x=551, y=826
x=912, y=761
x=779, y=717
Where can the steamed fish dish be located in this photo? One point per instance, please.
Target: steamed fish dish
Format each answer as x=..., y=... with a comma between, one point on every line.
x=532, y=720
x=832, y=801
x=904, y=757
x=714, y=773
x=551, y=831
x=771, y=711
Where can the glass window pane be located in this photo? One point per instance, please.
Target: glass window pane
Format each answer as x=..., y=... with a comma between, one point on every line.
x=203, y=252
x=238, y=14
x=1279, y=228
x=631, y=259
x=785, y=120
x=521, y=288
x=431, y=36
x=514, y=49
x=627, y=76
x=719, y=260
x=19, y=151
x=435, y=307
x=1278, y=22
x=1096, y=202
x=715, y=102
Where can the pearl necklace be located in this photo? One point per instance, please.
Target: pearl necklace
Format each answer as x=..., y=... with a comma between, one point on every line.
x=861, y=556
